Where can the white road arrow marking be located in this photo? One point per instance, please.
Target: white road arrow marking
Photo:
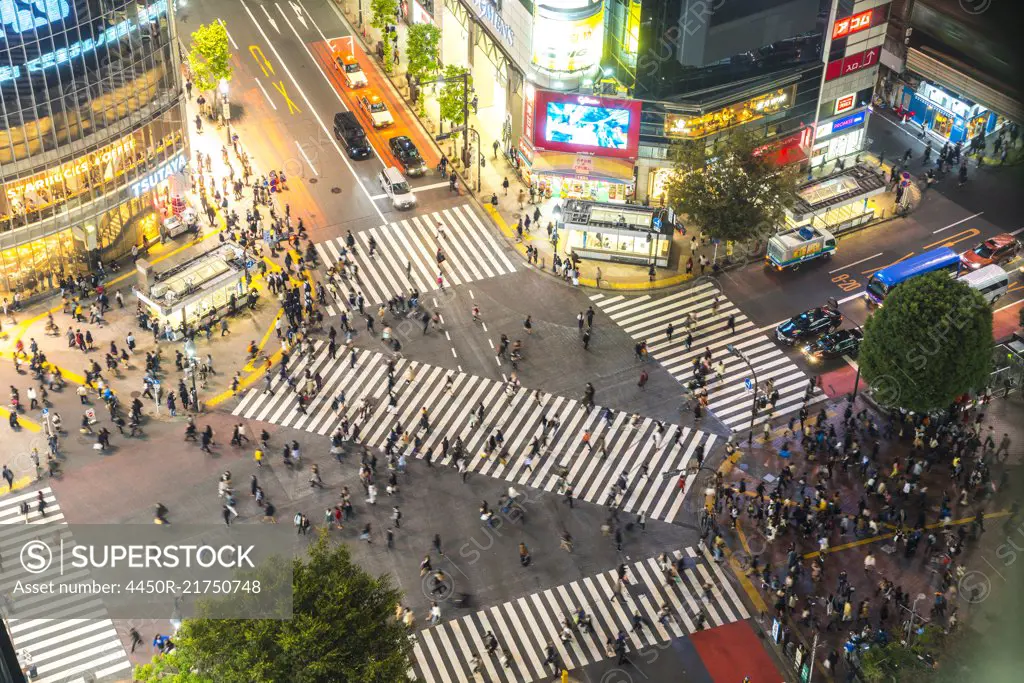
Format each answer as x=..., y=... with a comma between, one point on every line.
x=298, y=13
x=272, y=22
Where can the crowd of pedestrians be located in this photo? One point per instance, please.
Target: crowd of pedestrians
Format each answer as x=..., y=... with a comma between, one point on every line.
x=854, y=480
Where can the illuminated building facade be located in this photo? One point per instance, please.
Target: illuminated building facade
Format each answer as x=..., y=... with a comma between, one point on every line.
x=92, y=135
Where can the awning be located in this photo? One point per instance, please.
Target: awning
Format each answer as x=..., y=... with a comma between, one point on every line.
x=1005, y=103
x=583, y=166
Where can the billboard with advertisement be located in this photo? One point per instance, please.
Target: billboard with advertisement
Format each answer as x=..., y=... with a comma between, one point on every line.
x=568, y=35
x=861, y=21
x=575, y=123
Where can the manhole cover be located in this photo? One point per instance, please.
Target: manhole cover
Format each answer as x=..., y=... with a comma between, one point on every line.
x=312, y=181
x=336, y=190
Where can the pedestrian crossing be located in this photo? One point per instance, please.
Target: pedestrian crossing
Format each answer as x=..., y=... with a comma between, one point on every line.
x=525, y=626
x=84, y=646
x=647, y=318
x=634, y=452
x=407, y=252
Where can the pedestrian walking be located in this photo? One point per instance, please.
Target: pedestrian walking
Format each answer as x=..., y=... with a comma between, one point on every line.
x=643, y=379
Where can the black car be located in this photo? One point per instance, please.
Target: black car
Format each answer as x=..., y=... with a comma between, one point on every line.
x=407, y=156
x=834, y=345
x=809, y=324
x=348, y=130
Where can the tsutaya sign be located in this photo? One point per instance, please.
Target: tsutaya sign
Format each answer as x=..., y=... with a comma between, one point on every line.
x=108, y=35
x=490, y=10
x=165, y=171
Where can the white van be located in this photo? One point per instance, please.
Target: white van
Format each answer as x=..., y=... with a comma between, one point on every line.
x=991, y=282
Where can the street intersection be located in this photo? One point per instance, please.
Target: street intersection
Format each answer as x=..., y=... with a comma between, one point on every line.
x=287, y=94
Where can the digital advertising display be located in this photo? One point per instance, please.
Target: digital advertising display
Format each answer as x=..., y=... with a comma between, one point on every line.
x=568, y=38
x=575, y=123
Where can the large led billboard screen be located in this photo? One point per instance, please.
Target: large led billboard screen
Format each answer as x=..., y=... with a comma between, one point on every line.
x=575, y=123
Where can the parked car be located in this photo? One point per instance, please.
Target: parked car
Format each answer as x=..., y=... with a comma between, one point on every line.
x=396, y=188
x=380, y=115
x=834, y=345
x=809, y=324
x=350, y=70
x=995, y=250
x=407, y=155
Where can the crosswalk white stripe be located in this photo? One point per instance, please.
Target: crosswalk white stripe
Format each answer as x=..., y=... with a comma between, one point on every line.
x=471, y=252
x=647, y=317
x=425, y=670
x=520, y=421
x=474, y=224
x=487, y=243
x=466, y=263
x=436, y=658
x=82, y=642
x=723, y=582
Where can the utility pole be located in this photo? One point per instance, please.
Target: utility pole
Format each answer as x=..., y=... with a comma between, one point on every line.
x=465, y=120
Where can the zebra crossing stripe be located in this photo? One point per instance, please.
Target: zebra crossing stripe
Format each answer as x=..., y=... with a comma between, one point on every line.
x=82, y=645
x=520, y=418
x=525, y=625
x=647, y=318
x=405, y=256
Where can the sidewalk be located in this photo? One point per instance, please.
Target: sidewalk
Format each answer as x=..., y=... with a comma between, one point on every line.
x=910, y=572
x=497, y=168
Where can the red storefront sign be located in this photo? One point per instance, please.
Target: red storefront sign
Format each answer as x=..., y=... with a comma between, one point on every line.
x=528, y=108
x=852, y=24
x=838, y=68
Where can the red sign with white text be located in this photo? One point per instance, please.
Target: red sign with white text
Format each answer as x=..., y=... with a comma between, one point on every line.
x=852, y=24
x=846, y=103
x=838, y=68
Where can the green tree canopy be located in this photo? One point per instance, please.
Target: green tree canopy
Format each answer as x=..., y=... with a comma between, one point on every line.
x=929, y=344
x=209, y=58
x=341, y=630
x=382, y=13
x=451, y=98
x=730, y=191
x=421, y=51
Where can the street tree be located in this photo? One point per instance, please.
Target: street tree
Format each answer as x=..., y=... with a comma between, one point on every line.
x=929, y=344
x=733, y=191
x=422, y=60
x=342, y=629
x=382, y=13
x=452, y=97
x=209, y=58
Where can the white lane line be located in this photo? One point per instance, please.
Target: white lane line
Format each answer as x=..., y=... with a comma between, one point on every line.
x=455, y=354
x=378, y=196
x=855, y=263
x=266, y=94
x=233, y=43
x=850, y=298
x=303, y=153
x=851, y=362
x=484, y=325
x=270, y=19
x=432, y=186
x=1017, y=232
x=935, y=232
x=1018, y=302
x=309, y=105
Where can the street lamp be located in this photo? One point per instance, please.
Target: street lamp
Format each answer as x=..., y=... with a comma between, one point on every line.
x=464, y=76
x=913, y=616
x=753, y=408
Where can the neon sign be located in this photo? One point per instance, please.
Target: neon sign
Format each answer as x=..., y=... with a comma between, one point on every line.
x=108, y=35
x=852, y=24
x=28, y=16
x=173, y=165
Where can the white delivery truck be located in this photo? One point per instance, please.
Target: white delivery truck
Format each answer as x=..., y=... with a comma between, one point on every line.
x=791, y=248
